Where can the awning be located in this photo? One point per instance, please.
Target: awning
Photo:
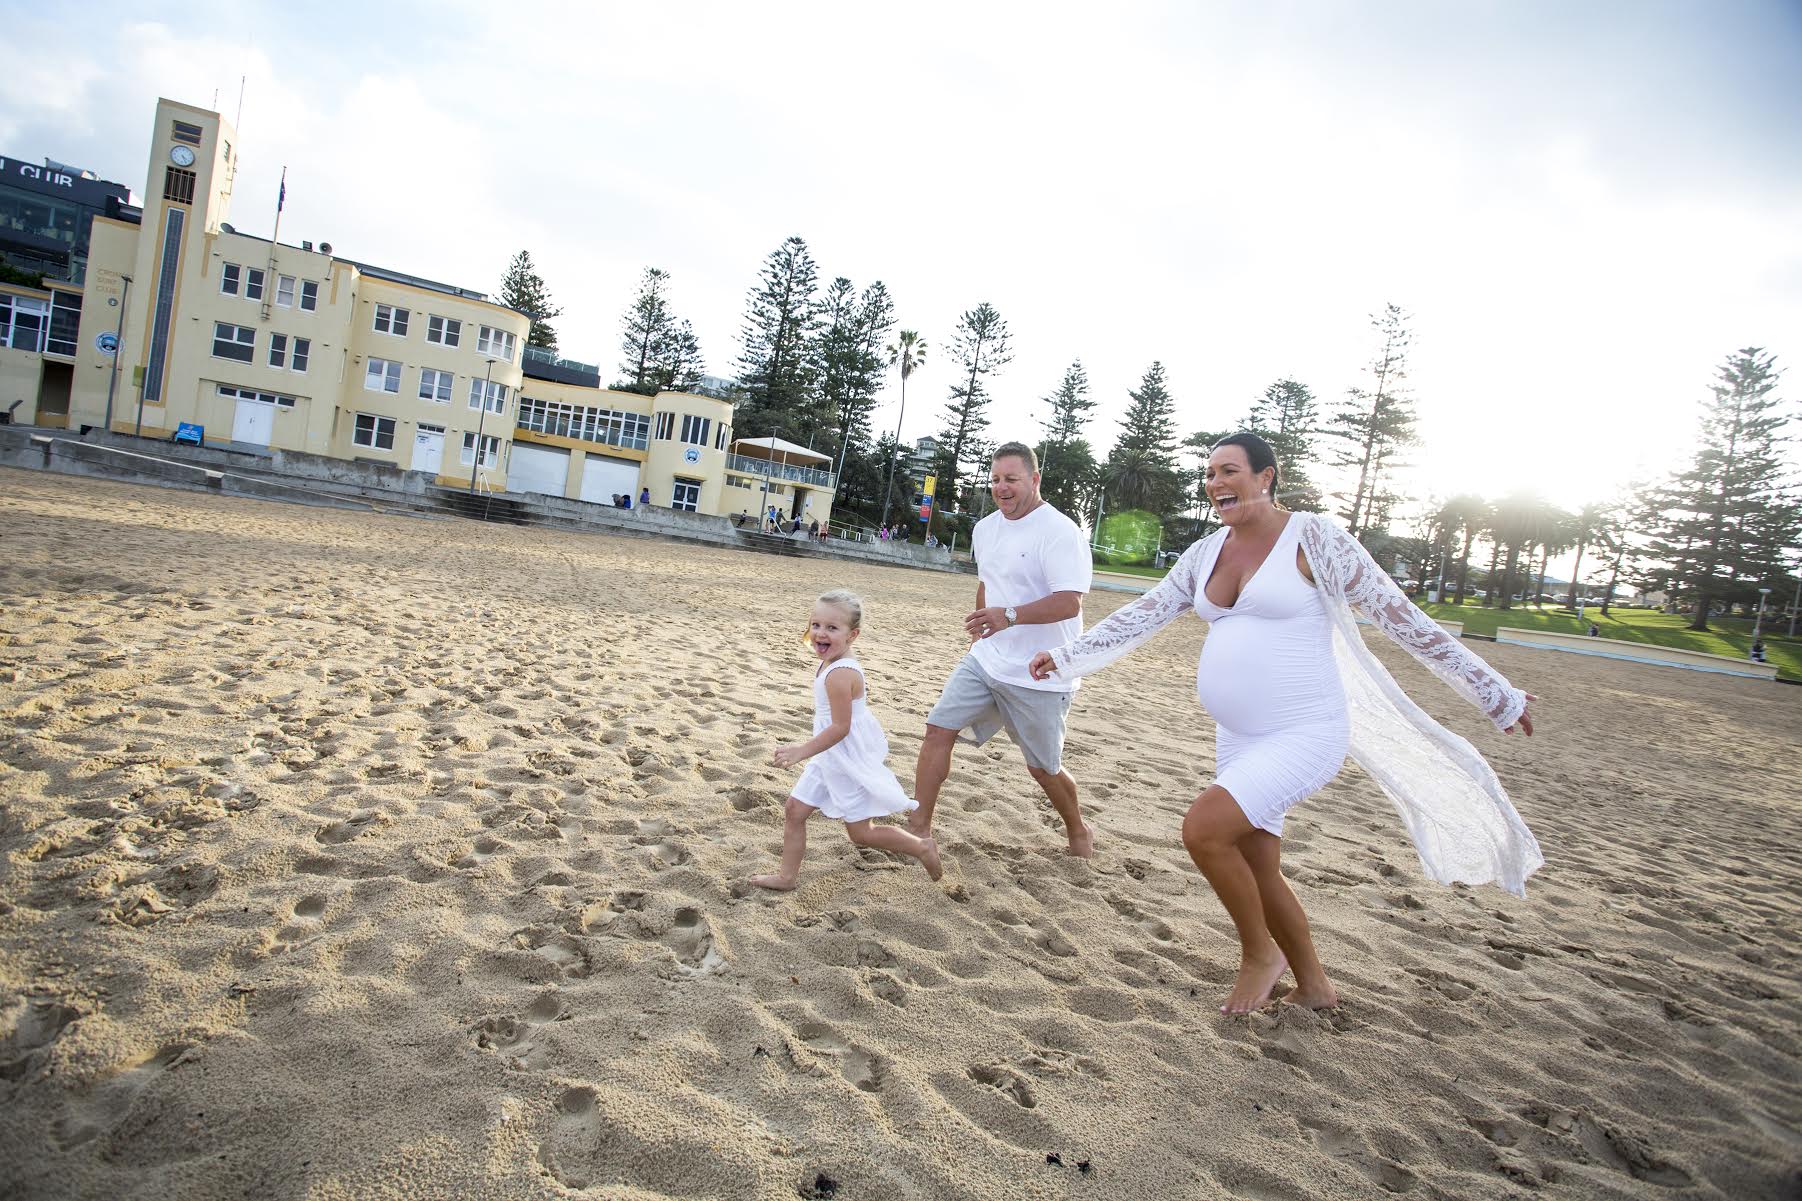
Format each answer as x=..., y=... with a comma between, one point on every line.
x=776, y=446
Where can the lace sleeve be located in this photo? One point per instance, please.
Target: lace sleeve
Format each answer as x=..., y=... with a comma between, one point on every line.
x=1132, y=624
x=1368, y=589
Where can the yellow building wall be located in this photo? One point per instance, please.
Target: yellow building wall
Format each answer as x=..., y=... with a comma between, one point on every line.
x=579, y=397
x=112, y=255
x=21, y=375
x=669, y=458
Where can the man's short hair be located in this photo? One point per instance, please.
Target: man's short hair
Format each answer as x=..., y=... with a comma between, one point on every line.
x=1017, y=450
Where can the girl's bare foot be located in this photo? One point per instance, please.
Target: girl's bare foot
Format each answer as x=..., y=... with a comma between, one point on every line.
x=774, y=883
x=1325, y=998
x=929, y=858
x=1256, y=978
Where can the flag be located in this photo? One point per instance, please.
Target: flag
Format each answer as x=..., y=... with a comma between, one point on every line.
x=281, y=197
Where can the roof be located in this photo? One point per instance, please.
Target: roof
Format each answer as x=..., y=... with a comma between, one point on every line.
x=787, y=449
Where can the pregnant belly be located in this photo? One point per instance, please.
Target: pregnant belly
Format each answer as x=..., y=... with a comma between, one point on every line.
x=1257, y=675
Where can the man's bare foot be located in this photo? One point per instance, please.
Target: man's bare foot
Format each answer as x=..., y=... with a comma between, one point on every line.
x=1256, y=978
x=1326, y=998
x=773, y=883
x=929, y=858
x=1082, y=843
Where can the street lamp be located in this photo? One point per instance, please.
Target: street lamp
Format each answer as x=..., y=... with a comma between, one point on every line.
x=112, y=377
x=481, y=417
x=1758, y=622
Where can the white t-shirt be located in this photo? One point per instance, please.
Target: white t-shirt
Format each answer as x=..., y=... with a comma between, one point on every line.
x=1019, y=562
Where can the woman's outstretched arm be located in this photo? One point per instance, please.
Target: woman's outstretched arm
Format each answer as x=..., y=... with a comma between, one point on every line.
x=1129, y=625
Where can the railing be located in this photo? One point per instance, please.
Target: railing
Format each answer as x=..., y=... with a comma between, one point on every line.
x=550, y=358
x=747, y=465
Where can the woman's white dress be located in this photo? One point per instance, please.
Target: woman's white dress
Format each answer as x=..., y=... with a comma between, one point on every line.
x=850, y=780
x=1291, y=687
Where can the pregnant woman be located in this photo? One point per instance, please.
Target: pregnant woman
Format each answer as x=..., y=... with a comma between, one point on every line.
x=1291, y=687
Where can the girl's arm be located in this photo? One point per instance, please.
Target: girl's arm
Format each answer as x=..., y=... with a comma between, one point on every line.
x=842, y=687
x=1370, y=591
x=1128, y=626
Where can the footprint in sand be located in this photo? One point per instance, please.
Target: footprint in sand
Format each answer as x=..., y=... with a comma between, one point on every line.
x=107, y=1105
x=866, y=1070
x=1007, y=1082
x=561, y=951
x=485, y=848
x=42, y=1022
x=515, y=1037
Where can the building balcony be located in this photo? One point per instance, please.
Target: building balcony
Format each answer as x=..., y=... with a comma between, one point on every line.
x=539, y=363
x=812, y=477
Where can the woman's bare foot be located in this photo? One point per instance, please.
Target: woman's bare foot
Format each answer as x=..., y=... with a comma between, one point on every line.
x=929, y=858
x=1312, y=998
x=1256, y=978
x=773, y=883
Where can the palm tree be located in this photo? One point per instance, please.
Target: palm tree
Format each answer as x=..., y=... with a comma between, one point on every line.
x=1132, y=479
x=907, y=352
x=1588, y=524
x=1468, y=514
x=1519, y=518
x=1554, y=539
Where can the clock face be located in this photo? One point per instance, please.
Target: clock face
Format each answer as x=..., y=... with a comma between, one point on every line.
x=181, y=156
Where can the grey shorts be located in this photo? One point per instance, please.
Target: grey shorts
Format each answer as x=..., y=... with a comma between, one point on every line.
x=978, y=706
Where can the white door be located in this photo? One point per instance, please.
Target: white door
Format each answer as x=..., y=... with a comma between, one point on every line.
x=603, y=477
x=538, y=469
x=428, y=448
x=253, y=422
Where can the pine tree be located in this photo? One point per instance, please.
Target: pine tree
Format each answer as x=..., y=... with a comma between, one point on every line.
x=1144, y=459
x=782, y=318
x=1066, y=460
x=523, y=290
x=1375, y=423
x=1734, y=510
x=661, y=352
x=981, y=346
x=1286, y=416
x=849, y=359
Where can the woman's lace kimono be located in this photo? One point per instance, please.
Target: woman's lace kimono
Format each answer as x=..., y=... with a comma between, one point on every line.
x=1460, y=819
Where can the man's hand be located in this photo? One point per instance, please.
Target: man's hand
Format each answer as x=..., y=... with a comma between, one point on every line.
x=1042, y=667
x=985, y=622
x=787, y=756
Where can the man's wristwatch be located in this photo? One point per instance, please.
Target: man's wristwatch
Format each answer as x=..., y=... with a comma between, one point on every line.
x=1012, y=614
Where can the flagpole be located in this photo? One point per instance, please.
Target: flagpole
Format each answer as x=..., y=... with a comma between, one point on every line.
x=270, y=279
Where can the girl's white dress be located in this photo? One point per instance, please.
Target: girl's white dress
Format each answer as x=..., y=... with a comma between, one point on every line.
x=850, y=780
x=1292, y=687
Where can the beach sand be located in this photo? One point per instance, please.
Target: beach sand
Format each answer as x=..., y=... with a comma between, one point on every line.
x=350, y=856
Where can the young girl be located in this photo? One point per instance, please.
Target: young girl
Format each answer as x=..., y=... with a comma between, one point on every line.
x=847, y=778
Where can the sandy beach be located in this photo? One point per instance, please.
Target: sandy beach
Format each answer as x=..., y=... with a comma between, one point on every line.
x=351, y=856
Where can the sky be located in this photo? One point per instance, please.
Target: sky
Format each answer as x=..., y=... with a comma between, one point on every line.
x=1585, y=207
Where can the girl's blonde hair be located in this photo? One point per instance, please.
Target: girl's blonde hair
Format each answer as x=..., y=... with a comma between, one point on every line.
x=840, y=598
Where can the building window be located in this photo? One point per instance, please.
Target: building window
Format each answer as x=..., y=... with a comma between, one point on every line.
x=309, y=295
x=666, y=426
x=278, y=350
x=234, y=342
x=184, y=131
x=253, y=283
x=491, y=448
x=497, y=395
x=720, y=435
x=694, y=429
x=390, y=320
x=178, y=185
x=496, y=342
x=65, y=323
x=268, y=398
x=284, y=291
x=606, y=426
x=686, y=496
x=229, y=278
x=375, y=432
x=446, y=331
x=381, y=375
x=303, y=349
x=435, y=385
x=23, y=323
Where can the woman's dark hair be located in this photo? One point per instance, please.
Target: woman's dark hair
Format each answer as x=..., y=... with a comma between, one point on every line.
x=1257, y=453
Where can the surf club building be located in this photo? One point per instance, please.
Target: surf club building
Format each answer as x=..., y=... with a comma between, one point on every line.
x=187, y=329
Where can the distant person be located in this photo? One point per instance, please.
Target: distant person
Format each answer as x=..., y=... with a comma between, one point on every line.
x=1279, y=591
x=616, y=500
x=1758, y=650
x=813, y=528
x=1594, y=630
x=644, y=496
x=739, y=518
x=1034, y=567
x=847, y=779
x=625, y=502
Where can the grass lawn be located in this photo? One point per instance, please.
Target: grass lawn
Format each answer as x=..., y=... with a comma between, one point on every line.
x=1726, y=636
x=1150, y=573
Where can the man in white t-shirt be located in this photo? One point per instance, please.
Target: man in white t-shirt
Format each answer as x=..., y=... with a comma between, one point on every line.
x=1034, y=566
